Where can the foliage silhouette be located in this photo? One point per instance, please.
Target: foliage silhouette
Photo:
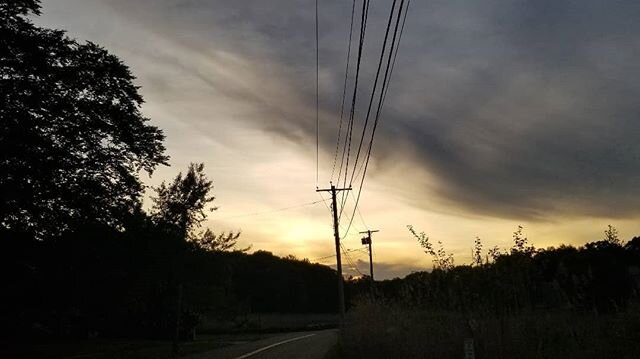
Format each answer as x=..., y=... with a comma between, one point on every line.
x=181, y=207
x=611, y=235
x=210, y=241
x=441, y=259
x=71, y=133
x=476, y=252
x=601, y=276
x=531, y=303
x=181, y=204
x=79, y=255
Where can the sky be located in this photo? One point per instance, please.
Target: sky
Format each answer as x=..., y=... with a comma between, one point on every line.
x=498, y=114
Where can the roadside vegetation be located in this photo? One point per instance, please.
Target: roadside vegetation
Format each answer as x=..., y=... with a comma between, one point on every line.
x=565, y=302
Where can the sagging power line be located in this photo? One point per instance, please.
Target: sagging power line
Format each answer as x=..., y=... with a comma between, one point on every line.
x=268, y=211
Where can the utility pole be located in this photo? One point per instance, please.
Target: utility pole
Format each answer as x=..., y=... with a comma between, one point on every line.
x=336, y=235
x=367, y=240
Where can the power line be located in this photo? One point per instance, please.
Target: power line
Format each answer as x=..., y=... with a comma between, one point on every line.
x=344, y=91
x=359, y=213
x=354, y=263
x=317, y=99
x=380, y=104
x=325, y=257
x=393, y=65
x=270, y=211
x=346, y=151
x=359, y=250
x=378, y=111
x=373, y=91
x=349, y=260
x=331, y=212
x=385, y=85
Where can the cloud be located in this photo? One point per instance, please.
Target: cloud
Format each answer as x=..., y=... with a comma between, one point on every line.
x=520, y=109
x=383, y=270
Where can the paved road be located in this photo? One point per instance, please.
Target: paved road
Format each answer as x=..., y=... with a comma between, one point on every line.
x=307, y=345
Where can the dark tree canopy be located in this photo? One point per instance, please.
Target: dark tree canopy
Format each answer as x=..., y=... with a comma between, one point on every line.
x=9, y=9
x=72, y=136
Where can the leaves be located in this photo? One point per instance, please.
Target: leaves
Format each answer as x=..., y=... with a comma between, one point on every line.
x=223, y=242
x=441, y=259
x=71, y=132
x=611, y=236
x=521, y=243
x=476, y=255
x=182, y=203
x=181, y=207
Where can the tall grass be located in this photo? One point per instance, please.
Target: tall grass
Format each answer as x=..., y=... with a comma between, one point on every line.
x=378, y=330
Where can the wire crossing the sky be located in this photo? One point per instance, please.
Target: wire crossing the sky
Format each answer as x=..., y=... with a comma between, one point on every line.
x=344, y=92
x=385, y=84
x=373, y=91
x=347, y=144
x=269, y=211
x=317, y=99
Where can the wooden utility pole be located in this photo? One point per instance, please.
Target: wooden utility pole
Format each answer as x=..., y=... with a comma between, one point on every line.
x=367, y=240
x=336, y=235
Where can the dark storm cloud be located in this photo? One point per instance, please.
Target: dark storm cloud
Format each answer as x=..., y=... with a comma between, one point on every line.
x=524, y=109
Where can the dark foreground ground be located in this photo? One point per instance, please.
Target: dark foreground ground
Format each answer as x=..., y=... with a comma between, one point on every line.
x=301, y=344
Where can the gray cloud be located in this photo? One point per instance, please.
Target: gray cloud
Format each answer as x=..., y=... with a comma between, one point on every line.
x=522, y=109
x=384, y=270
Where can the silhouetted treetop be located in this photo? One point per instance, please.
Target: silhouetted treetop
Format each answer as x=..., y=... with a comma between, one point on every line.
x=182, y=203
x=72, y=136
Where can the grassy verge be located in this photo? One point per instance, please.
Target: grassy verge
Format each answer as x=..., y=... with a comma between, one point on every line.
x=377, y=331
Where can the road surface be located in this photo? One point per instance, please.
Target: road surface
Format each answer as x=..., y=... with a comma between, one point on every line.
x=307, y=345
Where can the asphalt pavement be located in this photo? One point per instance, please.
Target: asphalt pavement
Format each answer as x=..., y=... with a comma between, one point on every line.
x=303, y=345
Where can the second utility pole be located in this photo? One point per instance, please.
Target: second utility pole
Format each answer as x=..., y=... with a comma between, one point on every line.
x=336, y=235
x=367, y=240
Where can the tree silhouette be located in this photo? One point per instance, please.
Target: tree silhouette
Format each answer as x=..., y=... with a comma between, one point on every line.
x=210, y=241
x=521, y=243
x=611, y=236
x=476, y=252
x=71, y=133
x=181, y=204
